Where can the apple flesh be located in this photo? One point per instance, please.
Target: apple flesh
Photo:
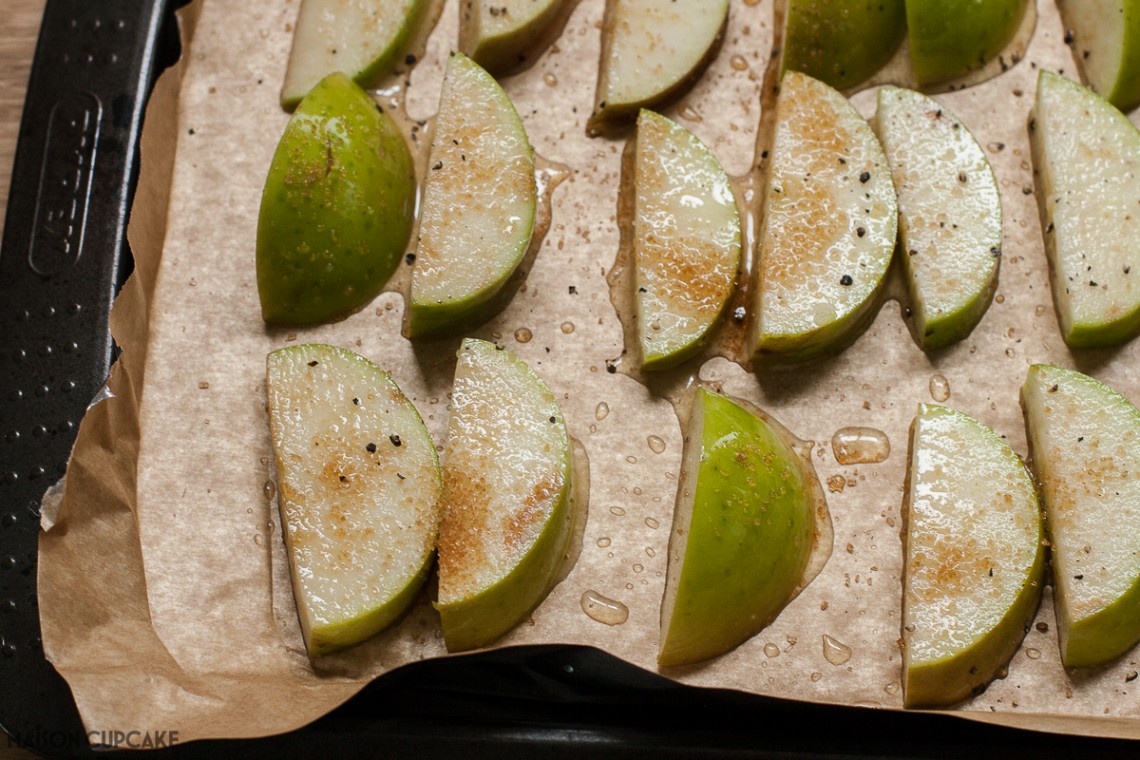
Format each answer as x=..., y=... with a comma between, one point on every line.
x=686, y=241
x=507, y=498
x=840, y=42
x=1083, y=440
x=652, y=51
x=479, y=203
x=1086, y=157
x=949, y=215
x=975, y=557
x=951, y=38
x=828, y=230
x=498, y=34
x=358, y=484
x=1106, y=46
x=337, y=209
x=361, y=38
x=742, y=532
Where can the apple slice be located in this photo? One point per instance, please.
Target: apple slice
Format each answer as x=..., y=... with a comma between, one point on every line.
x=479, y=204
x=507, y=498
x=951, y=38
x=829, y=226
x=840, y=42
x=651, y=51
x=949, y=215
x=742, y=532
x=1105, y=38
x=975, y=557
x=337, y=209
x=358, y=487
x=361, y=38
x=1086, y=156
x=498, y=34
x=1083, y=440
x=686, y=241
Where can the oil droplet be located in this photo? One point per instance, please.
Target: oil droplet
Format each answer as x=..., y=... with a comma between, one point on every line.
x=771, y=650
x=834, y=651
x=738, y=62
x=638, y=568
x=631, y=459
x=604, y=541
x=816, y=676
x=939, y=388
x=656, y=443
x=1033, y=654
x=257, y=539
x=1010, y=353
x=269, y=489
x=688, y=113
x=860, y=445
x=891, y=688
x=601, y=411
x=629, y=586
x=652, y=523
x=604, y=609
x=1039, y=310
x=567, y=327
x=650, y=551
x=999, y=298
x=836, y=483
x=523, y=335
x=550, y=79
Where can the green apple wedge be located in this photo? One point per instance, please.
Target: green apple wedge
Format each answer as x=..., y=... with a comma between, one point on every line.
x=507, y=496
x=1086, y=157
x=974, y=557
x=498, y=34
x=951, y=38
x=742, y=534
x=651, y=52
x=479, y=202
x=828, y=230
x=1083, y=443
x=1105, y=38
x=363, y=39
x=686, y=241
x=949, y=215
x=337, y=209
x=840, y=42
x=358, y=486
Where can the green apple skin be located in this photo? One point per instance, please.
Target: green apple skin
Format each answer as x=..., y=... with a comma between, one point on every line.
x=505, y=474
x=685, y=254
x=840, y=42
x=941, y=172
x=742, y=534
x=498, y=34
x=337, y=210
x=828, y=231
x=359, y=514
x=1083, y=442
x=363, y=39
x=975, y=557
x=479, y=205
x=951, y=38
x=651, y=53
x=1106, y=47
x=1086, y=157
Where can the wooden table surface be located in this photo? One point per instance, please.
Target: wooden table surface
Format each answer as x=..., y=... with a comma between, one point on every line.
x=21, y=23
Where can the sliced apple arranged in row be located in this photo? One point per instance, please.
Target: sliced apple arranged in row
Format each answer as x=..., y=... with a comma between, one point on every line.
x=363, y=39
x=1085, y=445
x=828, y=230
x=479, y=203
x=507, y=499
x=950, y=225
x=743, y=532
x=651, y=51
x=499, y=34
x=337, y=209
x=686, y=241
x=358, y=490
x=1086, y=156
x=1105, y=36
x=975, y=557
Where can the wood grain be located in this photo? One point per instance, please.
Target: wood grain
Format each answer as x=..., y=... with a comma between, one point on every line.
x=17, y=45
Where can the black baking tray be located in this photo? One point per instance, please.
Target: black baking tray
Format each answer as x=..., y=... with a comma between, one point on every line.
x=63, y=259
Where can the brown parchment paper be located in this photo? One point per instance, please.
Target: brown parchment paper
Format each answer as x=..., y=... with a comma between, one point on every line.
x=164, y=591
